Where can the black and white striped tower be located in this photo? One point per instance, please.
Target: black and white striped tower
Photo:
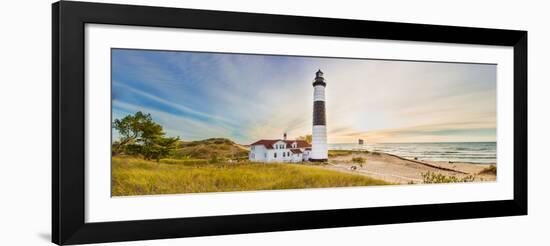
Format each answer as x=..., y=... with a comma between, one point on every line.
x=319, y=148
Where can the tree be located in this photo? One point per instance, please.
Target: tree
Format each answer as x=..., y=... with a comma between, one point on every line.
x=140, y=135
x=130, y=129
x=306, y=138
x=159, y=147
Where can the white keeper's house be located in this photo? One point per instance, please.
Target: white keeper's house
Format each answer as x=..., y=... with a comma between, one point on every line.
x=280, y=150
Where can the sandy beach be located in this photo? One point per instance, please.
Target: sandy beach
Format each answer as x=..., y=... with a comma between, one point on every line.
x=399, y=170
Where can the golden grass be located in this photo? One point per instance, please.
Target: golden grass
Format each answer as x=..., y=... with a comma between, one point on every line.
x=220, y=148
x=492, y=169
x=337, y=153
x=132, y=176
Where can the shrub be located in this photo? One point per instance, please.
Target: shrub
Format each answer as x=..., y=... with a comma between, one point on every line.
x=337, y=153
x=436, y=178
x=359, y=160
x=214, y=159
x=323, y=163
x=492, y=169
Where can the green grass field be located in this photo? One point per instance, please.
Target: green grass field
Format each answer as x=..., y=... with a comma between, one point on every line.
x=132, y=176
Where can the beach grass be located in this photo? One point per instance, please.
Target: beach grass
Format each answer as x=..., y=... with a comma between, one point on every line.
x=337, y=153
x=132, y=176
x=358, y=160
x=221, y=148
x=437, y=178
x=492, y=169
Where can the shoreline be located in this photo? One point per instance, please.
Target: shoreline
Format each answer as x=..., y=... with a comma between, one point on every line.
x=396, y=169
x=462, y=152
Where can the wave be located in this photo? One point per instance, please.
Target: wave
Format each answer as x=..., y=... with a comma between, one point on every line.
x=459, y=152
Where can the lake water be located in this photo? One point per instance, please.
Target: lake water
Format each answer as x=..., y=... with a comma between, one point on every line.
x=475, y=152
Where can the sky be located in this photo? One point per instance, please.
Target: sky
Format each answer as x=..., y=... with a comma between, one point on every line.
x=243, y=97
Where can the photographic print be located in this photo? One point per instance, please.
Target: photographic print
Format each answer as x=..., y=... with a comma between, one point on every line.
x=195, y=122
x=198, y=122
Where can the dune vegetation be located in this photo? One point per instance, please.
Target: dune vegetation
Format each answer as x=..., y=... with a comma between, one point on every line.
x=133, y=176
x=145, y=162
x=492, y=169
x=221, y=148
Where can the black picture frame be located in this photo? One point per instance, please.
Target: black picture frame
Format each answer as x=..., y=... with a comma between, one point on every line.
x=68, y=107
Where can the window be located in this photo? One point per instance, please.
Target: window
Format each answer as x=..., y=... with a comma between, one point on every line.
x=274, y=155
x=284, y=154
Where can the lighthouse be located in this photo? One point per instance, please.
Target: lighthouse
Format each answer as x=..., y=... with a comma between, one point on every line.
x=319, y=148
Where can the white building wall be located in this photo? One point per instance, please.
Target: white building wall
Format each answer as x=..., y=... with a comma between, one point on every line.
x=278, y=148
x=257, y=153
x=270, y=157
x=296, y=158
x=319, y=149
x=260, y=153
x=306, y=155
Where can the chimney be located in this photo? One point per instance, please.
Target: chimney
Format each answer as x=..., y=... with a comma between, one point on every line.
x=284, y=136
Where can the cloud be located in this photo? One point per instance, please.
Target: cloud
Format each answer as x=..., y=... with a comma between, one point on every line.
x=443, y=132
x=174, y=125
x=175, y=105
x=249, y=97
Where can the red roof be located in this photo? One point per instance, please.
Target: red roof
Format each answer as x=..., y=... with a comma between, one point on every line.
x=296, y=151
x=269, y=143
